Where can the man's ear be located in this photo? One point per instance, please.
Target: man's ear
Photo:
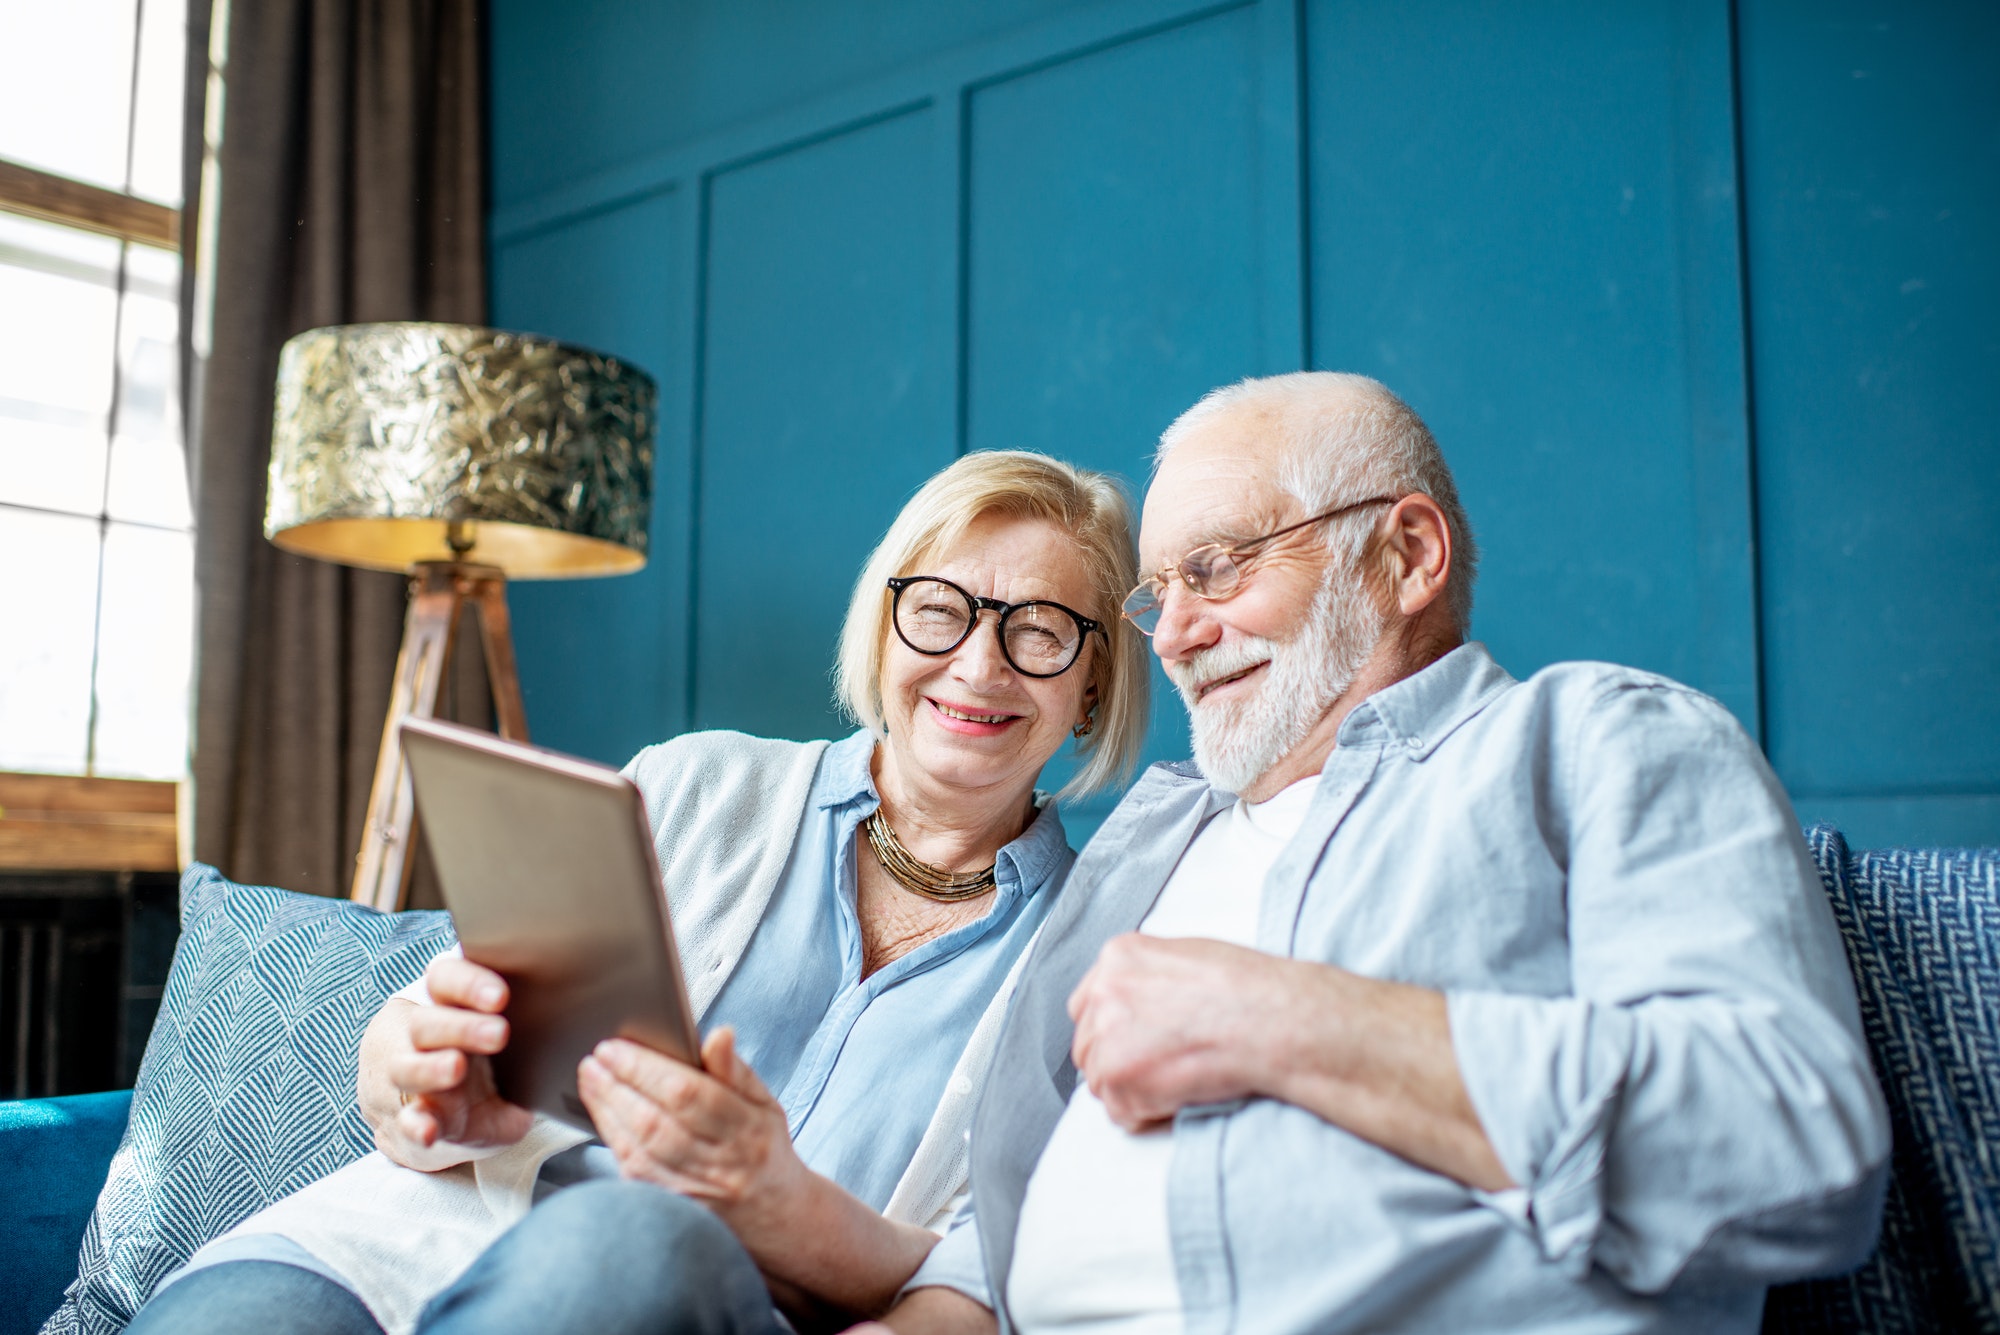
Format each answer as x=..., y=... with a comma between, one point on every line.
x=1416, y=553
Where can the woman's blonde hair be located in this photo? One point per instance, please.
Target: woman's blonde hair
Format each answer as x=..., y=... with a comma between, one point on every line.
x=1018, y=484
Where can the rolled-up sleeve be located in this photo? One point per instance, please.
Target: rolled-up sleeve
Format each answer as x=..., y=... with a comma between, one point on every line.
x=957, y=1262
x=1702, y=1106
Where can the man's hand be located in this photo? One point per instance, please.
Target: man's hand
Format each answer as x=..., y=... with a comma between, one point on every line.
x=426, y=1073
x=1162, y=1024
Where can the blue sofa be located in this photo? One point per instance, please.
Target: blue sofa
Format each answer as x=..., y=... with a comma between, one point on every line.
x=53, y=1157
x=1922, y=929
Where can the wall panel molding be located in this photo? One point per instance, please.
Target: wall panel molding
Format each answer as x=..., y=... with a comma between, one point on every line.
x=1690, y=289
x=1523, y=219
x=826, y=358
x=687, y=179
x=944, y=78
x=1281, y=180
x=1870, y=139
x=618, y=278
x=1715, y=319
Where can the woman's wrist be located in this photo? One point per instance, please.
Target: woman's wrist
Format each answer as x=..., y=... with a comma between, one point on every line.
x=820, y=1239
x=382, y=1102
x=374, y=1091
x=784, y=1205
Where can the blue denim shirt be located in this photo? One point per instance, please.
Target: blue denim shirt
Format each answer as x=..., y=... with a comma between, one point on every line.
x=860, y=1064
x=1649, y=1005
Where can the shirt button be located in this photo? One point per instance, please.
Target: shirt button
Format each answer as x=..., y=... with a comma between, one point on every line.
x=961, y=1086
x=1415, y=743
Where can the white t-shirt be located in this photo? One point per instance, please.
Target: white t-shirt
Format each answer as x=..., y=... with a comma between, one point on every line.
x=1093, y=1255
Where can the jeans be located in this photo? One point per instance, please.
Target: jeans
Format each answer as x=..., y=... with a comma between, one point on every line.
x=606, y=1258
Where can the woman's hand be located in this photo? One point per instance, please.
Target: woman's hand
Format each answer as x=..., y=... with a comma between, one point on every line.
x=712, y=1133
x=716, y=1134
x=426, y=1077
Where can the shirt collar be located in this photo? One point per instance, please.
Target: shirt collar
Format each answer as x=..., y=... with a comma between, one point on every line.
x=1036, y=856
x=1041, y=853
x=844, y=773
x=1424, y=708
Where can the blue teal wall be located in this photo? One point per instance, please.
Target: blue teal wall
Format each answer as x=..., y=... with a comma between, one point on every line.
x=1700, y=299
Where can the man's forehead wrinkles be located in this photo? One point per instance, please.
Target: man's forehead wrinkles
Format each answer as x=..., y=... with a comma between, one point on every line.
x=1236, y=529
x=1217, y=486
x=1226, y=521
x=1167, y=542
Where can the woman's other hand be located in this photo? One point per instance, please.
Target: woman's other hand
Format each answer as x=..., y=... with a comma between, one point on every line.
x=714, y=1133
x=717, y=1135
x=426, y=1075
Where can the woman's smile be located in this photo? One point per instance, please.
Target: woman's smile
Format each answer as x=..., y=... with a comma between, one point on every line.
x=968, y=721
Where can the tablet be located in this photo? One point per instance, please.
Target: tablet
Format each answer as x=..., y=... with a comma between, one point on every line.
x=547, y=865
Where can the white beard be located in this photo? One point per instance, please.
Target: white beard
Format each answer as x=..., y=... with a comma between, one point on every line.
x=1237, y=742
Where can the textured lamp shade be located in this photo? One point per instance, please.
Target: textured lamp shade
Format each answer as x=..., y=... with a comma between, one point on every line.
x=466, y=457
x=396, y=444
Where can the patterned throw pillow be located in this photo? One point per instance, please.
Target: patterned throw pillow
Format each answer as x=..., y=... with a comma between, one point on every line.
x=1922, y=929
x=246, y=1093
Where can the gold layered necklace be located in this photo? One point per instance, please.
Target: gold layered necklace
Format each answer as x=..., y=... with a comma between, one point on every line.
x=918, y=877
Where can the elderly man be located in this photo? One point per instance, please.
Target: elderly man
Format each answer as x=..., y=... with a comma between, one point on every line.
x=1434, y=1000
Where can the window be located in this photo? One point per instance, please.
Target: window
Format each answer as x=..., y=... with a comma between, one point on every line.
x=96, y=540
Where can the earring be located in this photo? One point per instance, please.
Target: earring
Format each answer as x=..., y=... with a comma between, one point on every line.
x=1085, y=728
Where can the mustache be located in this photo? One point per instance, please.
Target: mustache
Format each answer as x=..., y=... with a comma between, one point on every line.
x=1224, y=660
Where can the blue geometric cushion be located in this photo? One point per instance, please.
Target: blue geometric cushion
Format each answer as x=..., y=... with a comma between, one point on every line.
x=246, y=1092
x=1922, y=929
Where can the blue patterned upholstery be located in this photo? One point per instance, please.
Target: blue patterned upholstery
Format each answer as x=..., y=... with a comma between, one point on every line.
x=1922, y=929
x=247, y=1090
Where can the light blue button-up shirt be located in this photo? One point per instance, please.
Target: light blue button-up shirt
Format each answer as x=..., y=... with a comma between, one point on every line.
x=860, y=1064
x=1649, y=1006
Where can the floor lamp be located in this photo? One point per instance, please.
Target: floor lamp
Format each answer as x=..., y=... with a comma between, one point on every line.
x=462, y=457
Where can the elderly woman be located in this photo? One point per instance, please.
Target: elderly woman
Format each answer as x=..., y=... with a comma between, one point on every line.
x=850, y=916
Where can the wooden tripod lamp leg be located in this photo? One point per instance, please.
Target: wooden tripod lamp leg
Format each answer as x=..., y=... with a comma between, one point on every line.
x=489, y=594
x=382, y=868
x=438, y=592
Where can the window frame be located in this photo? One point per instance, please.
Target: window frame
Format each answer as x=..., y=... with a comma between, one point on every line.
x=68, y=821
x=47, y=197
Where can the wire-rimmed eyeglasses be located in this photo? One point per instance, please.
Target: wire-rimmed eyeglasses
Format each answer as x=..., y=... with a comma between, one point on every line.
x=1215, y=570
x=1038, y=639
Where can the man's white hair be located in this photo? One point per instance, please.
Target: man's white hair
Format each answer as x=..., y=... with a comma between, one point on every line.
x=1348, y=437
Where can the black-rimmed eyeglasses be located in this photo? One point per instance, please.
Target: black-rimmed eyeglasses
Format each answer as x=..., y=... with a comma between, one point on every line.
x=1215, y=570
x=1038, y=639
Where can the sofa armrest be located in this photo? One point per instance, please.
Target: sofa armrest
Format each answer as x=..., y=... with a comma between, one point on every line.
x=54, y=1156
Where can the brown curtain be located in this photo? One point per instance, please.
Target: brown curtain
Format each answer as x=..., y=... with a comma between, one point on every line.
x=351, y=170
